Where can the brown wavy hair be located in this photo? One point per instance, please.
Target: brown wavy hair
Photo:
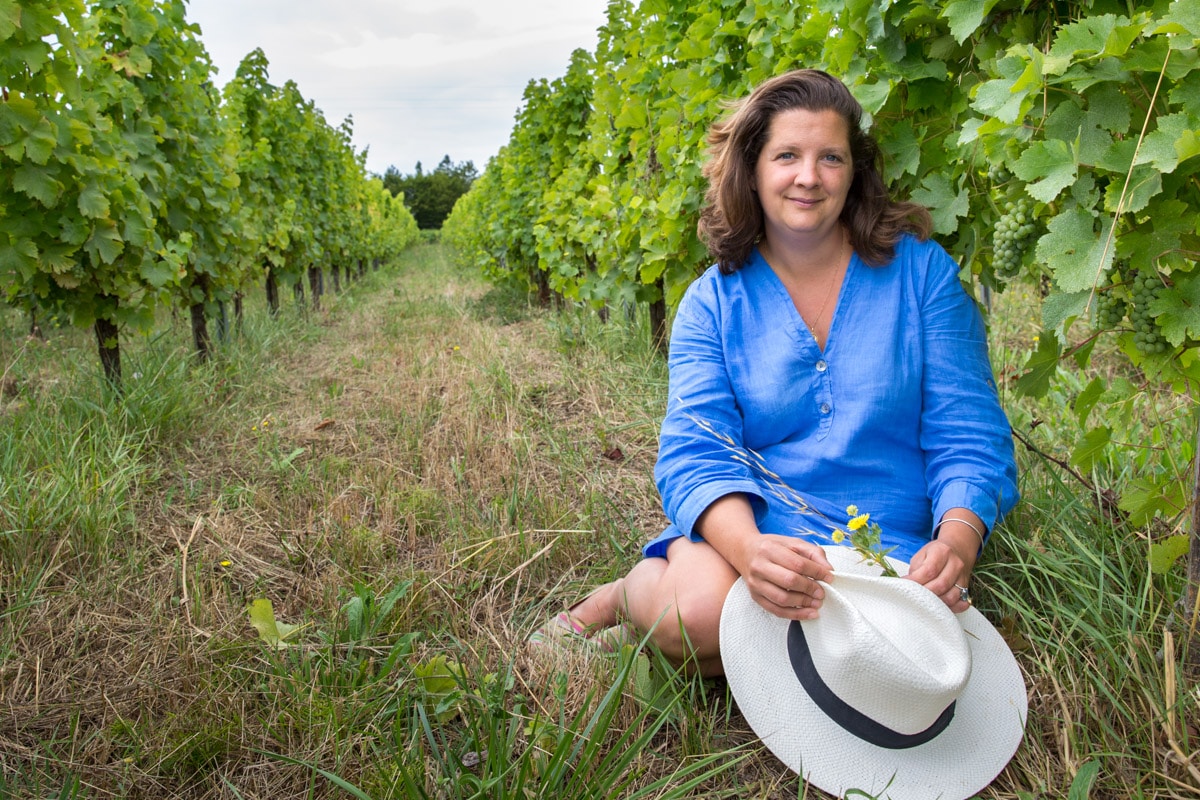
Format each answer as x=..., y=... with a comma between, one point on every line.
x=731, y=222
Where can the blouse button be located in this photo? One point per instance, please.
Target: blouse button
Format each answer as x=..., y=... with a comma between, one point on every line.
x=825, y=408
x=822, y=366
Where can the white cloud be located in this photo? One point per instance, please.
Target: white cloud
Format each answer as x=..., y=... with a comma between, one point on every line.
x=419, y=83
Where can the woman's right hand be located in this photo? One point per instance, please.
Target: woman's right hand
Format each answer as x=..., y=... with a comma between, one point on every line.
x=782, y=574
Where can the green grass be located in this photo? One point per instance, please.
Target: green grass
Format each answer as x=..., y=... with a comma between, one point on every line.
x=416, y=476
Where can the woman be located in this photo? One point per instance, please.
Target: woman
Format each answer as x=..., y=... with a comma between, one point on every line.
x=836, y=342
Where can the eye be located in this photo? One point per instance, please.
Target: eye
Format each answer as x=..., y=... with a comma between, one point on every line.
x=834, y=158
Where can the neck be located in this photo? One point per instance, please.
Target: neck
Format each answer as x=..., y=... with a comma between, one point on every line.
x=799, y=259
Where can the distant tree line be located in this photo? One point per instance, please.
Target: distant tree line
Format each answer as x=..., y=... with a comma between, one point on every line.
x=431, y=195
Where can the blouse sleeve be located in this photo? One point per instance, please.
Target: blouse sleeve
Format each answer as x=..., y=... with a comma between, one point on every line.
x=702, y=429
x=965, y=436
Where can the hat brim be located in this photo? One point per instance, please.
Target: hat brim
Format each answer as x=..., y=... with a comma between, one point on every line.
x=988, y=723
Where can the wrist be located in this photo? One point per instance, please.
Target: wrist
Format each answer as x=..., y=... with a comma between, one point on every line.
x=962, y=540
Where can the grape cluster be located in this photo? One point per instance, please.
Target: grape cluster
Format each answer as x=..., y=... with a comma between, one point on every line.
x=1011, y=237
x=998, y=175
x=1147, y=337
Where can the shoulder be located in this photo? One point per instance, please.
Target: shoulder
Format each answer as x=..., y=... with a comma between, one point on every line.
x=911, y=251
x=715, y=290
x=925, y=264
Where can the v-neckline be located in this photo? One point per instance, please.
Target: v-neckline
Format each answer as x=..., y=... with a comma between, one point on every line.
x=799, y=326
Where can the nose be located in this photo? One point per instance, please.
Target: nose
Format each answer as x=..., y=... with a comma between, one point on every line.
x=806, y=173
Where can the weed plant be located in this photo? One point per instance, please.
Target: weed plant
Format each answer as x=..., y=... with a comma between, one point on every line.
x=417, y=476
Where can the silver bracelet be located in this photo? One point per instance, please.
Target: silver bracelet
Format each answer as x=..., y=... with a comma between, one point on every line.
x=969, y=524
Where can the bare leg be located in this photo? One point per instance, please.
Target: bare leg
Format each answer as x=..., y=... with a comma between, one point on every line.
x=679, y=598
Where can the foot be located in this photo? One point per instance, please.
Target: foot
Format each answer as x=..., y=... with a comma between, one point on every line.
x=600, y=609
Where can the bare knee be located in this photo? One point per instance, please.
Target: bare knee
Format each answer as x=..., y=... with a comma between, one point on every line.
x=683, y=597
x=688, y=628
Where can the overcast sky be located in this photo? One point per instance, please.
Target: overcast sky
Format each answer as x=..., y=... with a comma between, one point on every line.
x=422, y=80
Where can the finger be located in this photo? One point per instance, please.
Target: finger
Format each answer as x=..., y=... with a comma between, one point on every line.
x=804, y=558
x=783, y=598
x=805, y=608
x=958, y=598
x=928, y=563
x=793, y=582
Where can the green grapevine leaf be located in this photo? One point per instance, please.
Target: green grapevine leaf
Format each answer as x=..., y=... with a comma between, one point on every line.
x=1058, y=308
x=38, y=183
x=1072, y=249
x=1086, y=37
x=1091, y=447
x=10, y=18
x=1173, y=142
x=871, y=95
x=1183, y=18
x=92, y=202
x=1086, y=400
x=946, y=206
x=1165, y=554
x=1041, y=367
x=999, y=98
x=1177, y=310
x=1145, y=184
x=965, y=16
x=42, y=141
x=106, y=242
x=1145, y=498
x=1048, y=167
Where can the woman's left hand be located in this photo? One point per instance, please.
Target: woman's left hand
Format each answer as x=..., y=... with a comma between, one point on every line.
x=944, y=567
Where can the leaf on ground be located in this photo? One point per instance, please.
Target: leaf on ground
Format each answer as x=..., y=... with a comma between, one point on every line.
x=1013, y=637
x=1081, y=787
x=270, y=630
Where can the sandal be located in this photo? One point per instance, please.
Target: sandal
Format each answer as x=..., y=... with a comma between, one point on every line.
x=560, y=630
x=612, y=640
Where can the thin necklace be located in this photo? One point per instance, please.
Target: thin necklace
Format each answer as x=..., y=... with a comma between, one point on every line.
x=812, y=328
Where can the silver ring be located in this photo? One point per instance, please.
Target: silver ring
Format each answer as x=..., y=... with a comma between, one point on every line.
x=964, y=594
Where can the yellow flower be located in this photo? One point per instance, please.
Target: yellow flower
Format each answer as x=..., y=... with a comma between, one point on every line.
x=839, y=536
x=858, y=522
x=852, y=510
x=227, y=563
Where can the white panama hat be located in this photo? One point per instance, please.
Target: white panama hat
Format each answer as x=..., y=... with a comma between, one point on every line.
x=887, y=692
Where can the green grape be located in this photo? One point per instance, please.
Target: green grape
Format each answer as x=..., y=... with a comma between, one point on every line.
x=1011, y=237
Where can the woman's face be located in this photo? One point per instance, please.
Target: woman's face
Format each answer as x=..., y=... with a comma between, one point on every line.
x=803, y=175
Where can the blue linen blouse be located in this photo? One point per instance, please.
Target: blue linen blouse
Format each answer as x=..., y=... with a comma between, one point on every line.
x=899, y=415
